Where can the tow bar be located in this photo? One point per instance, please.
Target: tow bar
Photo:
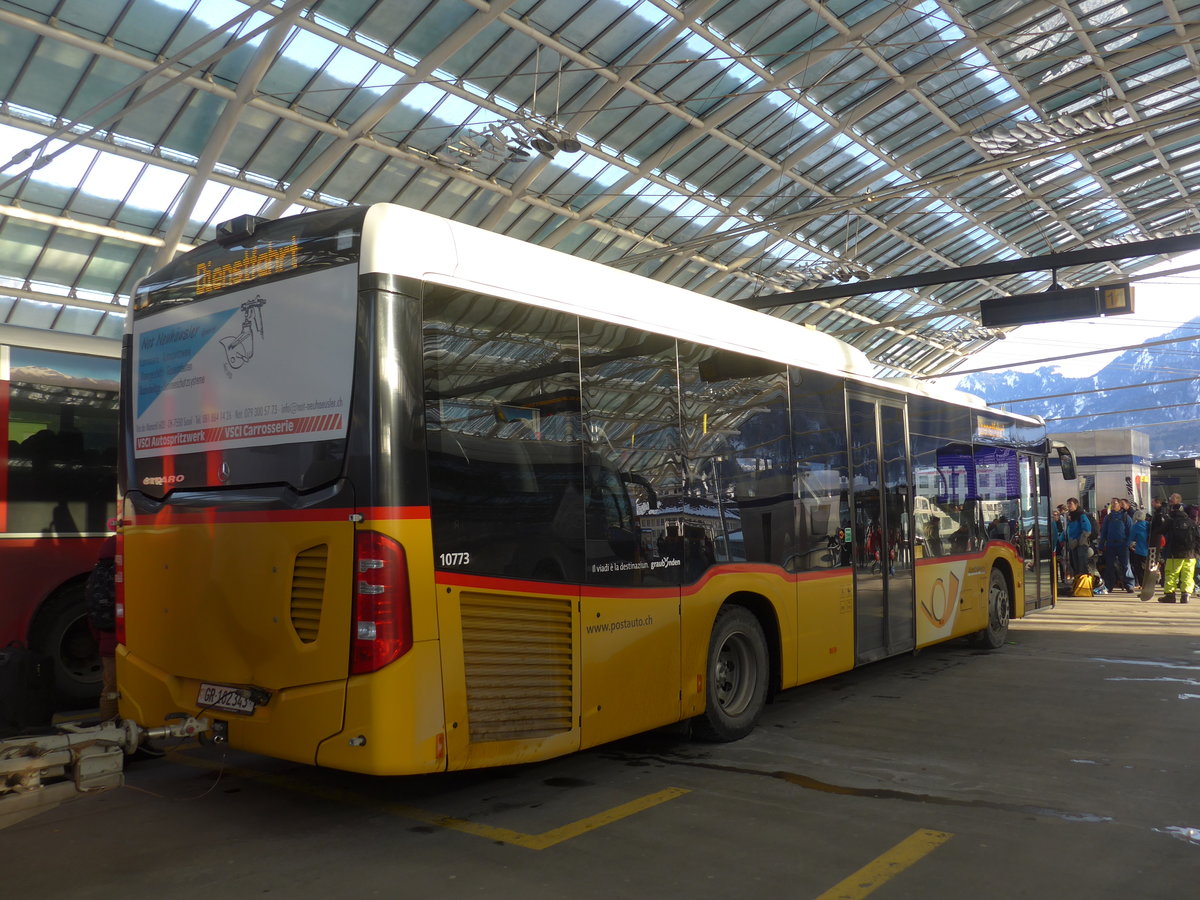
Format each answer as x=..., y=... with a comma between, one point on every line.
x=39, y=772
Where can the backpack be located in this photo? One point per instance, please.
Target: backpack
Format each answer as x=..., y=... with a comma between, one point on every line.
x=1083, y=586
x=1094, y=534
x=1185, y=536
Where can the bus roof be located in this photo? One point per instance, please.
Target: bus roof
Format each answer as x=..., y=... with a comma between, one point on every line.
x=463, y=256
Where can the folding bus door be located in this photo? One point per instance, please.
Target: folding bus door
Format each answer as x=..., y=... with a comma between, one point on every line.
x=883, y=558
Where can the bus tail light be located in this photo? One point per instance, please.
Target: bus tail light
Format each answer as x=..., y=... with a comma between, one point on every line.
x=119, y=586
x=382, y=605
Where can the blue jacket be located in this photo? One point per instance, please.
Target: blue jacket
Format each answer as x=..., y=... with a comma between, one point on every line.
x=1138, y=536
x=1078, y=527
x=1115, y=530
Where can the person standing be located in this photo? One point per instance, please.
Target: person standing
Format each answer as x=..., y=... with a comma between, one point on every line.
x=1158, y=520
x=1060, y=543
x=1079, y=529
x=1139, y=547
x=1114, y=544
x=1182, y=547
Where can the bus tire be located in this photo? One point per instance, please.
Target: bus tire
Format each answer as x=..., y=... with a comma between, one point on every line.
x=999, y=604
x=735, y=677
x=61, y=632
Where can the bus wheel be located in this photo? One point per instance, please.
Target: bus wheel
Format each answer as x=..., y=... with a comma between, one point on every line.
x=999, y=603
x=61, y=632
x=736, y=676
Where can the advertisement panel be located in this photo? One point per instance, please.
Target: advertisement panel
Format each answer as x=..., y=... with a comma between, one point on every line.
x=268, y=365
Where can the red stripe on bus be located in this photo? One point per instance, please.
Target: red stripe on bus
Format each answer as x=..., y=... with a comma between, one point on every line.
x=395, y=512
x=51, y=544
x=495, y=583
x=189, y=517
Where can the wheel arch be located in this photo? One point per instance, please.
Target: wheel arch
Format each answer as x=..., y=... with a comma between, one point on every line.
x=43, y=612
x=764, y=611
x=1004, y=567
x=60, y=629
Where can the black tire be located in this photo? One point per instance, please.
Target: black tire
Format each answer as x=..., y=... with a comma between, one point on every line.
x=61, y=632
x=735, y=677
x=999, y=609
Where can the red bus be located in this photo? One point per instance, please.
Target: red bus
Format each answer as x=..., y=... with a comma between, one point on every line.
x=58, y=481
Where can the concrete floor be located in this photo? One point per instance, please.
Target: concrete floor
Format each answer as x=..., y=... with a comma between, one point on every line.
x=1064, y=765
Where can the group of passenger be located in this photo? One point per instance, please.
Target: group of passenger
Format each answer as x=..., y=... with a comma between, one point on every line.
x=1119, y=550
x=1176, y=528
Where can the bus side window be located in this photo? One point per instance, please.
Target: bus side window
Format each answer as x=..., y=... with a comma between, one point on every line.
x=630, y=399
x=505, y=465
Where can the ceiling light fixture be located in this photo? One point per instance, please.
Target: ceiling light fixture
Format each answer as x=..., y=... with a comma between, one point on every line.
x=1024, y=135
x=817, y=273
x=516, y=139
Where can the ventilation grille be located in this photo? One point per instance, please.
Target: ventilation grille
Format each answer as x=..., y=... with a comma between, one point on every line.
x=308, y=590
x=518, y=661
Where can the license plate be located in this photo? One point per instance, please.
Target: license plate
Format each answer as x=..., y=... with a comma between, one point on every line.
x=226, y=698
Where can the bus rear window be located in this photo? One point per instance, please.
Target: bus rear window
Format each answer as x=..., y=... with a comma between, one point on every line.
x=248, y=387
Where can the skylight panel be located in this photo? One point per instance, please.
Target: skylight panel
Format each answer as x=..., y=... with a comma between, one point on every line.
x=33, y=313
x=112, y=325
x=156, y=188
x=352, y=67
x=111, y=176
x=933, y=11
x=211, y=196
x=306, y=48
x=78, y=320
x=237, y=202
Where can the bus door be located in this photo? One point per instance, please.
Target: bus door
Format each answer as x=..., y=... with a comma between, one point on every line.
x=1035, y=536
x=883, y=559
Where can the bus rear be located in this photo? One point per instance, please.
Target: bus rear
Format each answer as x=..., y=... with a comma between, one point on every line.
x=263, y=553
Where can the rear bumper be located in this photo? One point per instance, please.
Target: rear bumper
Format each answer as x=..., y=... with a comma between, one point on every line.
x=290, y=727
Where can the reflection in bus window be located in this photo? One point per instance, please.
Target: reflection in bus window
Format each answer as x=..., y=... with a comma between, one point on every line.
x=502, y=412
x=944, y=484
x=825, y=532
x=631, y=426
x=740, y=501
x=999, y=480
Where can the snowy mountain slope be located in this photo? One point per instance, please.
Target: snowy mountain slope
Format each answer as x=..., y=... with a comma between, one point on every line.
x=1153, y=389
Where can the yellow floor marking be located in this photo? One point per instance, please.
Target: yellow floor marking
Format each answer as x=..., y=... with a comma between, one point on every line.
x=465, y=826
x=883, y=868
x=546, y=838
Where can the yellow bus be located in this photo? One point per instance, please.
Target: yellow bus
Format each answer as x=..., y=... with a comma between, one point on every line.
x=399, y=495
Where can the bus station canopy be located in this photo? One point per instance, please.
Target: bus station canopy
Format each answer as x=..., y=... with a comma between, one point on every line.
x=738, y=148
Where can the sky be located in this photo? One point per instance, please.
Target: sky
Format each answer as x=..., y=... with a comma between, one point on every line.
x=1160, y=305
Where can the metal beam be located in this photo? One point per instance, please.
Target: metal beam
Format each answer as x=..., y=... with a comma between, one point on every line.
x=1087, y=256
x=41, y=339
x=247, y=89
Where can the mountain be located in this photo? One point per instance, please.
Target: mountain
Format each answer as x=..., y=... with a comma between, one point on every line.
x=45, y=375
x=1168, y=411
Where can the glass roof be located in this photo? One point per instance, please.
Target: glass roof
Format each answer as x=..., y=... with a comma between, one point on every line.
x=739, y=148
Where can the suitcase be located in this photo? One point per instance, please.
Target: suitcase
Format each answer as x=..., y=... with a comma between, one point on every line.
x=26, y=689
